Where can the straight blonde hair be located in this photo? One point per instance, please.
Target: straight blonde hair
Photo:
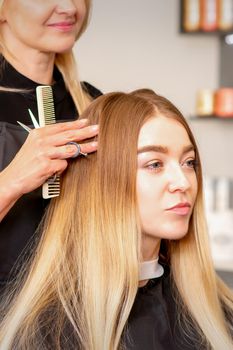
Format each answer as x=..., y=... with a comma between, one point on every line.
x=83, y=278
x=66, y=64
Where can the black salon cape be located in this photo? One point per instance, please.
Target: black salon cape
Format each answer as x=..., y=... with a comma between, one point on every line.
x=152, y=324
x=154, y=320
x=18, y=227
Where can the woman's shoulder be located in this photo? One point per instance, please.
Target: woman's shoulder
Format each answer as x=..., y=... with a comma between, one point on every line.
x=91, y=90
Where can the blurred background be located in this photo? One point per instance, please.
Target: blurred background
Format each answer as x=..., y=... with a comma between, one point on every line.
x=181, y=49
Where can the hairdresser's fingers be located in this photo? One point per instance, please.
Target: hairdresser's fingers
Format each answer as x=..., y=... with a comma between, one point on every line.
x=62, y=139
x=31, y=168
x=89, y=147
x=57, y=166
x=57, y=128
x=35, y=161
x=69, y=150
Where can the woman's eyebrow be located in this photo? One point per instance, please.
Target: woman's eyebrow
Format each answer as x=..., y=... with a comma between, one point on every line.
x=153, y=148
x=162, y=149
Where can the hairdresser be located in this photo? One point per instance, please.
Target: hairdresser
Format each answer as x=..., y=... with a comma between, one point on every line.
x=36, y=41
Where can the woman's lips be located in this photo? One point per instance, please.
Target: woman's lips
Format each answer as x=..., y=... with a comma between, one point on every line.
x=180, y=209
x=63, y=26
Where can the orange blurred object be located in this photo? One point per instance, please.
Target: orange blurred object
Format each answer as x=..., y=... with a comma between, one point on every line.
x=208, y=15
x=223, y=106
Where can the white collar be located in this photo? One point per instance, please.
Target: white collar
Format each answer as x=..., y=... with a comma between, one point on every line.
x=150, y=269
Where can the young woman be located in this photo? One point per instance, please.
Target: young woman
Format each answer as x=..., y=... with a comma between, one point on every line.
x=36, y=40
x=95, y=281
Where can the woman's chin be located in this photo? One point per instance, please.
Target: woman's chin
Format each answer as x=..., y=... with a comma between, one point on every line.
x=175, y=232
x=177, y=235
x=61, y=46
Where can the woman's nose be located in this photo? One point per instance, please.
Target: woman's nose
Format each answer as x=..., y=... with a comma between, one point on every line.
x=67, y=7
x=178, y=181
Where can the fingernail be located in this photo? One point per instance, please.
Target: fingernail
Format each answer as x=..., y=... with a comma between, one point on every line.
x=94, y=144
x=95, y=127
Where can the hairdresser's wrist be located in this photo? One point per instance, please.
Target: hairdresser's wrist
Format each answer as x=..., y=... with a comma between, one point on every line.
x=10, y=191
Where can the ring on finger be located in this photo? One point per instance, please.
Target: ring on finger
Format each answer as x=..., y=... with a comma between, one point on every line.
x=78, y=152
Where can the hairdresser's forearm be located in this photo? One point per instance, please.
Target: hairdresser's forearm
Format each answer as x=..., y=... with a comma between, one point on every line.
x=9, y=194
x=4, y=209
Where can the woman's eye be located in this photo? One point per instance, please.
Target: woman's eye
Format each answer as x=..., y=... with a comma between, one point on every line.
x=191, y=163
x=155, y=166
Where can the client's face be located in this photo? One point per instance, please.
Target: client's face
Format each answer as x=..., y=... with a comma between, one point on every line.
x=166, y=182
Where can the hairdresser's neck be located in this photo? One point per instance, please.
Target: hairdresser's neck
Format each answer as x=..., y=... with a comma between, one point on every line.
x=35, y=65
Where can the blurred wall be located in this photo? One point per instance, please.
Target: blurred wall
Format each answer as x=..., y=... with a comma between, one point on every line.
x=133, y=43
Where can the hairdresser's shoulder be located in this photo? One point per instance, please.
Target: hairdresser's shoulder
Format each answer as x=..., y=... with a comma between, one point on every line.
x=91, y=90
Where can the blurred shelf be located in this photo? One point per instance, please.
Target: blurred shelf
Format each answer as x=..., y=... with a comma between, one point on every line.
x=204, y=32
x=211, y=118
x=215, y=32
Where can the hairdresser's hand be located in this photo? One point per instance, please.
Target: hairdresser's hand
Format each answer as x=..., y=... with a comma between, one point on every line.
x=44, y=153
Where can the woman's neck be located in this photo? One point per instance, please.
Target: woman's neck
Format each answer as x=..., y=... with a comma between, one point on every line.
x=34, y=65
x=150, y=247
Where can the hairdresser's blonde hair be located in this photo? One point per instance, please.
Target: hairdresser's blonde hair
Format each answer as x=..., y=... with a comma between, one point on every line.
x=66, y=64
x=84, y=275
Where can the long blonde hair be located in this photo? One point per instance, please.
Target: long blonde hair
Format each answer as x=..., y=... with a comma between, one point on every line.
x=83, y=279
x=66, y=64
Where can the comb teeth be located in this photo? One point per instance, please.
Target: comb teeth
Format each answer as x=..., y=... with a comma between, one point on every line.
x=45, y=105
x=46, y=112
x=51, y=188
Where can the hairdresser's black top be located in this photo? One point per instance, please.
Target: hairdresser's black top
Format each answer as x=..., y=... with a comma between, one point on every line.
x=17, y=228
